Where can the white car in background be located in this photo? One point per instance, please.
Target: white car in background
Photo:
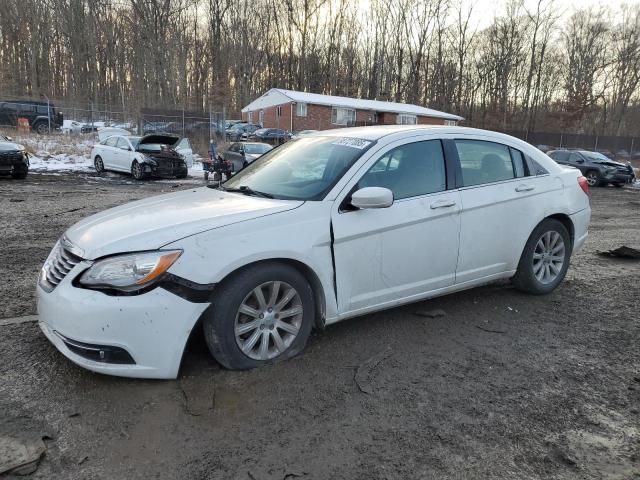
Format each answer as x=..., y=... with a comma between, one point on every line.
x=71, y=126
x=143, y=157
x=334, y=225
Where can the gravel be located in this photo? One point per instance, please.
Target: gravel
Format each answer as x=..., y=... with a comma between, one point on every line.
x=497, y=385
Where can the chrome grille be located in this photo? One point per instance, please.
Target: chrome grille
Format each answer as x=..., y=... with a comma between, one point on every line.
x=57, y=266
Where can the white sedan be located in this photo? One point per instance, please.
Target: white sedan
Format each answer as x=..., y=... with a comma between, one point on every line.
x=158, y=154
x=331, y=226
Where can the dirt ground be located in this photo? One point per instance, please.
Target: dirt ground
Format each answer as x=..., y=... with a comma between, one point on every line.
x=503, y=385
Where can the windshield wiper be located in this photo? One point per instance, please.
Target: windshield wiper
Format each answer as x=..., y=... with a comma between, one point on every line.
x=247, y=191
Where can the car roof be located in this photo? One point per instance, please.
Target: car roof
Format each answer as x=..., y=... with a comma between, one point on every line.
x=376, y=132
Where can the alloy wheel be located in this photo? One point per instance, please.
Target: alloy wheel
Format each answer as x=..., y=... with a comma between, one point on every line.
x=268, y=320
x=548, y=257
x=592, y=179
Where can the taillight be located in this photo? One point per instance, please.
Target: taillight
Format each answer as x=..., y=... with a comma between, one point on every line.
x=584, y=185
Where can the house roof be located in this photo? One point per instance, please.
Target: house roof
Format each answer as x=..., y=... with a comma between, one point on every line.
x=278, y=96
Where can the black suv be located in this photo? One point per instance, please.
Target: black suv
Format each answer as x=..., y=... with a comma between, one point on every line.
x=38, y=114
x=599, y=169
x=14, y=160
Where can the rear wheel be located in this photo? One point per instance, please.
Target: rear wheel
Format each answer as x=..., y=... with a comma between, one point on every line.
x=545, y=259
x=41, y=128
x=260, y=315
x=98, y=164
x=593, y=178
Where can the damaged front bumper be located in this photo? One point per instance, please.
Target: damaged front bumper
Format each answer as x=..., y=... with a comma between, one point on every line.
x=131, y=336
x=165, y=168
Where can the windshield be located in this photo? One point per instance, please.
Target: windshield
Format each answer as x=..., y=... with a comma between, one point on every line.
x=304, y=169
x=596, y=157
x=254, y=148
x=134, y=141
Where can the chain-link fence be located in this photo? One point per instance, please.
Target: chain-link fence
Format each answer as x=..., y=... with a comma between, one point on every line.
x=43, y=116
x=623, y=148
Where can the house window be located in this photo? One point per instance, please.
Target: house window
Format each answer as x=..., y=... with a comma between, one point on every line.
x=249, y=117
x=261, y=117
x=301, y=109
x=450, y=123
x=404, y=119
x=278, y=111
x=373, y=117
x=343, y=116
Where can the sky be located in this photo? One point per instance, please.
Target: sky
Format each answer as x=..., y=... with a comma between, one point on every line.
x=484, y=10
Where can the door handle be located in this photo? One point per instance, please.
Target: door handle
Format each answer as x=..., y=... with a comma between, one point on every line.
x=524, y=188
x=443, y=204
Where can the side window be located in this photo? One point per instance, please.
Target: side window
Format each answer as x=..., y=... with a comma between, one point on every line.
x=575, y=157
x=122, y=143
x=560, y=156
x=409, y=170
x=519, y=163
x=484, y=162
x=111, y=141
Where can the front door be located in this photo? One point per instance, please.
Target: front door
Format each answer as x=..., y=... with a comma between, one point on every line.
x=389, y=255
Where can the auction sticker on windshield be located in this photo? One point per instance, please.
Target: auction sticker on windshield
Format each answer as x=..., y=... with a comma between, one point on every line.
x=352, y=142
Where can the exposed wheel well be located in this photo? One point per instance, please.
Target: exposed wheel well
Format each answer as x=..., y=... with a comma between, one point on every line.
x=566, y=221
x=309, y=275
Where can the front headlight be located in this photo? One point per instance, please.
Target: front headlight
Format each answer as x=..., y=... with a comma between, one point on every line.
x=129, y=272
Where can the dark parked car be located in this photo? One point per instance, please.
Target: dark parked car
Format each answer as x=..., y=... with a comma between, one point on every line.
x=40, y=116
x=271, y=135
x=598, y=168
x=241, y=131
x=241, y=154
x=14, y=160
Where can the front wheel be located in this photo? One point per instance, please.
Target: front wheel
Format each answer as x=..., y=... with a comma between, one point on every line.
x=259, y=316
x=20, y=172
x=137, y=170
x=545, y=259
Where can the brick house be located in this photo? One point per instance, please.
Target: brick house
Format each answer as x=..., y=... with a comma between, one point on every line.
x=296, y=111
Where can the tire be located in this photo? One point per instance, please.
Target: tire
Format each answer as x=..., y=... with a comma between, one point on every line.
x=206, y=175
x=525, y=278
x=138, y=171
x=98, y=164
x=20, y=173
x=593, y=178
x=41, y=128
x=223, y=317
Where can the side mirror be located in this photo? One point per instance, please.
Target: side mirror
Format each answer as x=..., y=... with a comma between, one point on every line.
x=10, y=139
x=579, y=160
x=372, y=197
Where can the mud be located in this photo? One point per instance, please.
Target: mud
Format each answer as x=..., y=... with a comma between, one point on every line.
x=502, y=385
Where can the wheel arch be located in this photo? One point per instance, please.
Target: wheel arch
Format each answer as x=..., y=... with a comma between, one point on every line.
x=565, y=220
x=309, y=274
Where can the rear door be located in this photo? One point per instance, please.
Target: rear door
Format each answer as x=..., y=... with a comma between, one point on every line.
x=501, y=199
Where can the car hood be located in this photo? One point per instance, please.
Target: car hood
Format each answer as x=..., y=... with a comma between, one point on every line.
x=612, y=163
x=10, y=147
x=161, y=138
x=151, y=223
